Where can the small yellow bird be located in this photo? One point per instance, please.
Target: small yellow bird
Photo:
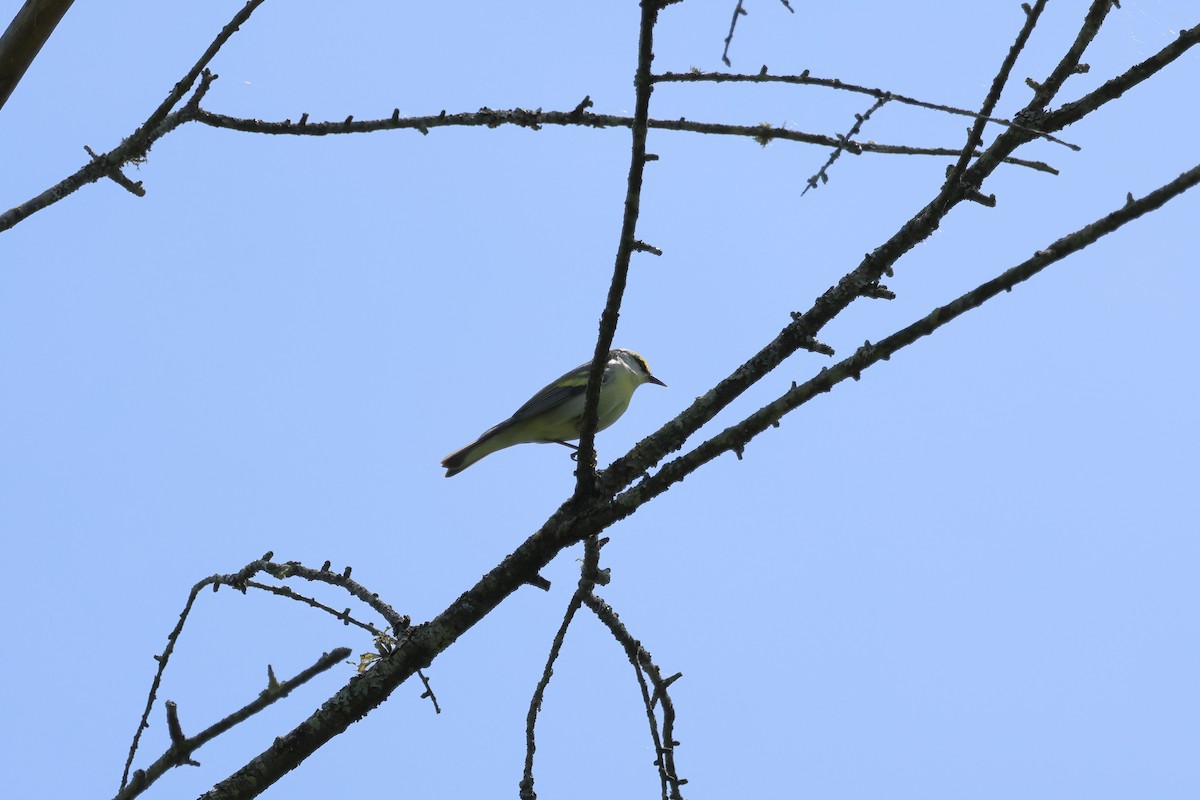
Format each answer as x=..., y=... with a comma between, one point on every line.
x=554, y=413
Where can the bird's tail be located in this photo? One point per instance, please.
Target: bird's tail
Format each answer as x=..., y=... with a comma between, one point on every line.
x=491, y=441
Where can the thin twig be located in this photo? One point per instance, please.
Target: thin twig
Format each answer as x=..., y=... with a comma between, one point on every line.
x=344, y=615
x=137, y=144
x=739, y=11
x=342, y=580
x=437, y=709
x=585, y=472
x=806, y=79
x=181, y=748
x=241, y=580
x=821, y=176
x=162, y=659
x=644, y=666
x=539, y=692
x=1069, y=64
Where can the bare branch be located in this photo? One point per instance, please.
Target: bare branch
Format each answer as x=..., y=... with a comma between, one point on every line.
x=953, y=186
x=118, y=177
x=344, y=615
x=241, y=580
x=578, y=519
x=139, y=142
x=585, y=473
x=1069, y=64
x=643, y=665
x=739, y=11
x=23, y=40
x=821, y=175
x=342, y=580
x=1114, y=88
x=535, y=120
x=180, y=751
x=108, y=164
x=165, y=657
x=596, y=504
x=535, y=702
x=734, y=438
x=805, y=79
x=857, y=283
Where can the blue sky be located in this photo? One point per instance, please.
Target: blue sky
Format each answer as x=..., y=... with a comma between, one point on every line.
x=970, y=574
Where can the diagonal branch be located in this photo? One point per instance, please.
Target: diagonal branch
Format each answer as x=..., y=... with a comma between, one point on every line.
x=539, y=692
x=734, y=438
x=139, y=142
x=241, y=580
x=822, y=175
x=1074, y=111
x=23, y=40
x=1069, y=64
x=571, y=523
x=576, y=519
x=953, y=187
x=182, y=747
x=859, y=282
x=216, y=581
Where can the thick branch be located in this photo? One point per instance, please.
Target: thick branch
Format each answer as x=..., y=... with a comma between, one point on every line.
x=734, y=438
x=578, y=519
x=23, y=40
x=1111, y=90
x=857, y=283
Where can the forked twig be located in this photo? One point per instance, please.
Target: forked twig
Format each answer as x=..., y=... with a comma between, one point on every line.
x=181, y=748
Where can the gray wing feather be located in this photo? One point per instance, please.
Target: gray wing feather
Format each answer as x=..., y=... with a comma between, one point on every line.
x=552, y=395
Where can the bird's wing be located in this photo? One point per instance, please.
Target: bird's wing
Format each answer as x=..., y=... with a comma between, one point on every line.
x=571, y=384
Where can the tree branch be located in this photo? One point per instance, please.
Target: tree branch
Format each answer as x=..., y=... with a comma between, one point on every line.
x=180, y=751
x=805, y=79
x=23, y=40
x=734, y=438
x=585, y=472
x=138, y=144
x=859, y=282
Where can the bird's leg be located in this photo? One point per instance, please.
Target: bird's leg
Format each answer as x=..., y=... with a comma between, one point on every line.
x=575, y=447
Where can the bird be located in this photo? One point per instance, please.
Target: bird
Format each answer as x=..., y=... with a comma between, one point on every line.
x=555, y=413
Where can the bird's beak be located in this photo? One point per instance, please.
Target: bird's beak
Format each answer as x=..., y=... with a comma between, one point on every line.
x=651, y=379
